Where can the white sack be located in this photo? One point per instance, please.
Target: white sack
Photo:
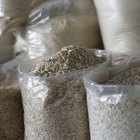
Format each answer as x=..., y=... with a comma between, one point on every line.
x=7, y=41
x=120, y=25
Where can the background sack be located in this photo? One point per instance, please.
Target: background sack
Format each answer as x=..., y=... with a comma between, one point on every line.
x=13, y=14
x=56, y=24
x=120, y=25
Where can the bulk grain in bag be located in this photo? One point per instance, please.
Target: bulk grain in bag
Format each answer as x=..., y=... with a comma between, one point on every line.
x=11, y=110
x=113, y=98
x=120, y=25
x=54, y=96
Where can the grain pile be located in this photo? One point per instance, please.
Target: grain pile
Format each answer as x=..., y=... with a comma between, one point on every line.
x=129, y=77
x=116, y=113
x=55, y=107
x=70, y=58
x=11, y=114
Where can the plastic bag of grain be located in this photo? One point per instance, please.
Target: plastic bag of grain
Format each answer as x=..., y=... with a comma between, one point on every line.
x=53, y=94
x=120, y=25
x=11, y=110
x=60, y=23
x=113, y=98
x=13, y=13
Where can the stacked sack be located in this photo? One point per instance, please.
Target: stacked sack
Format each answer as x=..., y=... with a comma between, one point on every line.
x=57, y=105
x=64, y=24
x=61, y=94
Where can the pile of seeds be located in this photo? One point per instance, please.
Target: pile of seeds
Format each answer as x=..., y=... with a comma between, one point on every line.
x=70, y=58
x=11, y=114
x=56, y=107
x=129, y=77
x=117, y=115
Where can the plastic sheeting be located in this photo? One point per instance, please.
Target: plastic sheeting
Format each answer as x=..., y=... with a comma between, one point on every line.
x=13, y=13
x=7, y=41
x=56, y=24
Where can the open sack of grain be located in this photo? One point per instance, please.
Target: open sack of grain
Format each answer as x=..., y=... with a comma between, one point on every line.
x=53, y=94
x=60, y=23
x=120, y=25
x=113, y=98
x=11, y=110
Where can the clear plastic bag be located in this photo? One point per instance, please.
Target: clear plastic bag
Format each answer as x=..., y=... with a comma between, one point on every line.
x=11, y=110
x=56, y=24
x=53, y=8
x=48, y=10
x=55, y=107
x=120, y=25
x=13, y=13
x=113, y=109
x=36, y=3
